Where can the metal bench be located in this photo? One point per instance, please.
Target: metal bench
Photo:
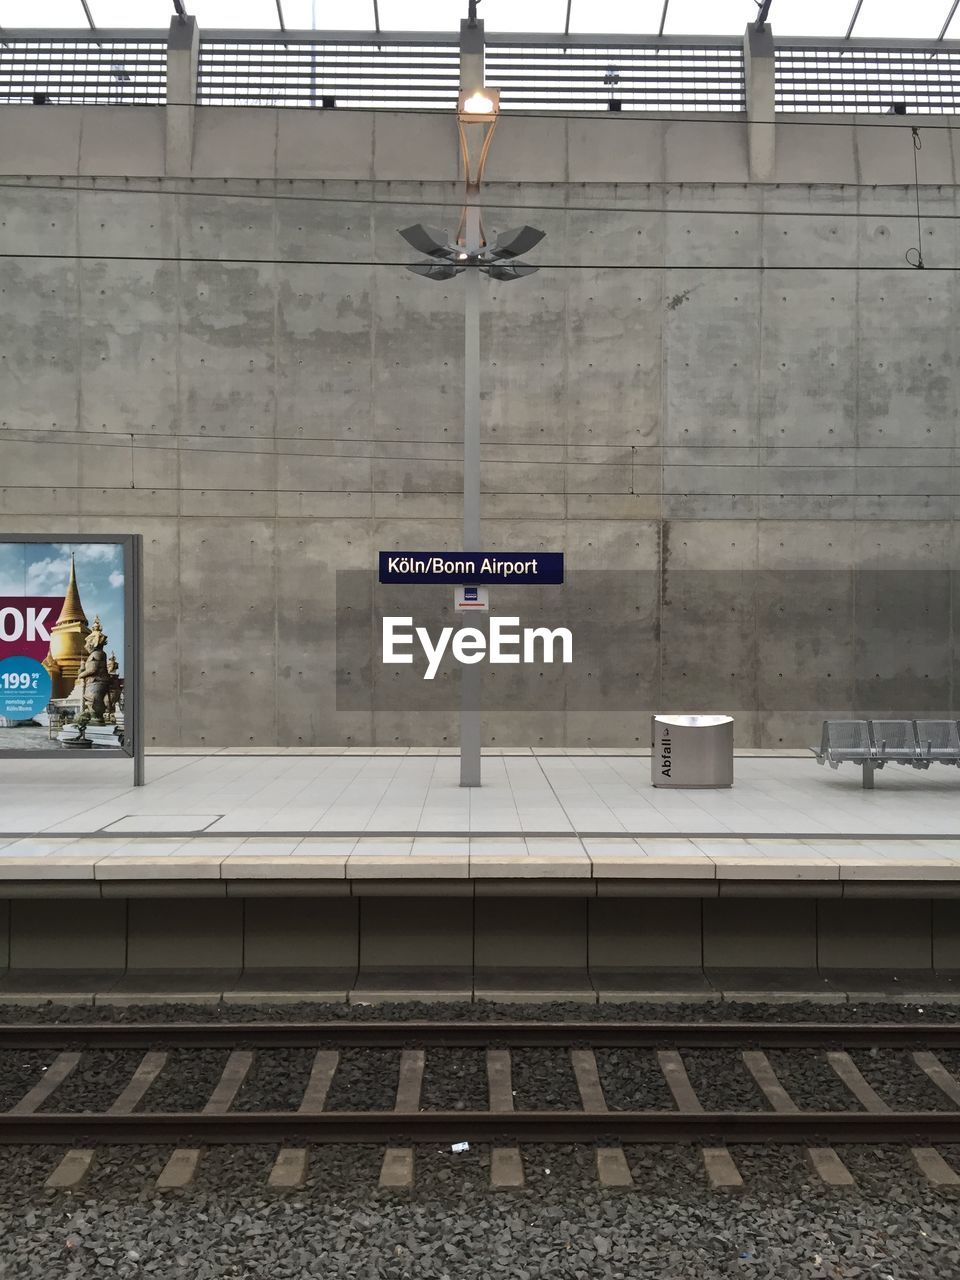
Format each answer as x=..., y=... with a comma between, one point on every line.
x=895, y=742
x=874, y=743
x=844, y=741
x=939, y=741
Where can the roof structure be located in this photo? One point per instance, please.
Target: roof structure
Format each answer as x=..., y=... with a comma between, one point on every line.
x=870, y=19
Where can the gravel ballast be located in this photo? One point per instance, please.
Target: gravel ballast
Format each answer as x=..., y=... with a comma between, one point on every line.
x=899, y=1081
x=340, y=1226
x=811, y=1081
x=951, y=1060
x=365, y=1080
x=632, y=1080
x=20, y=1070
x=186, y=1081
x=783, y=1226
x=543, y=1080
x=95, y=1081
x=722, y=1082
x=276, y=1080
x=454, y=1080
x=487, y=1011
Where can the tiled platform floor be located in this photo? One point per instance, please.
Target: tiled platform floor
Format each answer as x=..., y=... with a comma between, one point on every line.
x=528, y=795
x=547, y=814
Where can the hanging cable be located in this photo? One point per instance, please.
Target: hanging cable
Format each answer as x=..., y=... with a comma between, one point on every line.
x=918, y=251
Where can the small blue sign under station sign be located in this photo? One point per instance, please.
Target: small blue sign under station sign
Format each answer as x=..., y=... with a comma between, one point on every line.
x=472, y=568
x=471, y=600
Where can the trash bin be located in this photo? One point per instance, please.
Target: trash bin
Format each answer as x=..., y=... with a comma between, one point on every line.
x=692, y=751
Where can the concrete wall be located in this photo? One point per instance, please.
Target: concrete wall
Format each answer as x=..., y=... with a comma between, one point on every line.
x=472, y=943
x=652, y=403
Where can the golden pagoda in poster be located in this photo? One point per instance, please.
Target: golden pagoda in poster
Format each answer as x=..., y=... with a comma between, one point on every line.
x=67, y=637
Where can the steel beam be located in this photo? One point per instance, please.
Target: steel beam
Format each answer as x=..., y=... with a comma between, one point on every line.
x=946, y=25
x=853, y=20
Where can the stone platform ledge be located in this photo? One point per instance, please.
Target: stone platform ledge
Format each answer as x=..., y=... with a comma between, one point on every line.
x=218, y=866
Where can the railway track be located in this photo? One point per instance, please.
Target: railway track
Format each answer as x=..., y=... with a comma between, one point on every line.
x=869, y=1117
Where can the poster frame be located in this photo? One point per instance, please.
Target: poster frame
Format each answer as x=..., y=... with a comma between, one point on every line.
x=133, y=748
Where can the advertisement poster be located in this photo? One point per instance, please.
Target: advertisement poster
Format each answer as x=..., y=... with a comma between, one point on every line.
x=62, y=646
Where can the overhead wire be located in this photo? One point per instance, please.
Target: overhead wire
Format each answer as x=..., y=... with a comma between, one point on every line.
x=16, y=436
x=458, y=493
x=505, y=442
x=698, y=267
x=8, y=434
x=492, y=205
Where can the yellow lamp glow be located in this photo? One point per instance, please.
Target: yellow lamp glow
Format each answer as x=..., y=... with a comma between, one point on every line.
x=478, y=104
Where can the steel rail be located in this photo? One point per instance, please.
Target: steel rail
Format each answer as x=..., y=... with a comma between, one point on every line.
x=720, y=1127
x=740, y=1035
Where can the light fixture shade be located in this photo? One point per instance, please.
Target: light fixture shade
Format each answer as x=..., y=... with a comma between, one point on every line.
x=517, y=241
x=429, y=240
x=435, y=270
x=509, y=271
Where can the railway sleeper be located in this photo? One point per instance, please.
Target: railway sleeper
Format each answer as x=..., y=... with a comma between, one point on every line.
x=398, y=1171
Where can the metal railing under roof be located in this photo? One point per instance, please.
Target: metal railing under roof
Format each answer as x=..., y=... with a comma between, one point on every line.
x=657, y=76
x=532, y=73
x=535, y=72
x=346, y=71
x=78, y=67
x=923, y=79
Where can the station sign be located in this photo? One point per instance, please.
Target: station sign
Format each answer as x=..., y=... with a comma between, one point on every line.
x=472, y=568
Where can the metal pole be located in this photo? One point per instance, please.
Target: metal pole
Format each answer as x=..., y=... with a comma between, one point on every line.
x=470, y=681
x=139, y=736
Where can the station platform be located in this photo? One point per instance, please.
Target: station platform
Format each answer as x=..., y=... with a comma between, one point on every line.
x=234, y=874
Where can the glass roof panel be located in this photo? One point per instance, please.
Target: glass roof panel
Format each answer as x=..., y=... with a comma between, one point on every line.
x=710, y=17
x=828, y=18
x=126, y=13
x=44, y=13
x=915, y=19
x=234, y=13
x=887, y=19
x=611, y=17
x=329, y=15
x=397, y=15
x=518, y=15
x=498, y=15
x=423, y=15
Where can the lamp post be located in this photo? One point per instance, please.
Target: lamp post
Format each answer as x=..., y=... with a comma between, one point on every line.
x=470, y=255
